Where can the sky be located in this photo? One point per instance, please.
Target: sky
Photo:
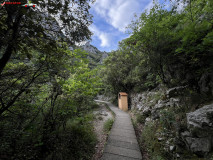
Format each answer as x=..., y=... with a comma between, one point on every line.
x=110, y=19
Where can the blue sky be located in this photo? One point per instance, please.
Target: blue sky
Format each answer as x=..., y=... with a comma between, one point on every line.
x=111, y=18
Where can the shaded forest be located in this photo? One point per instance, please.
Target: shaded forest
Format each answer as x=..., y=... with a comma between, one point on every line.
x=48, y=84
x=46, y=87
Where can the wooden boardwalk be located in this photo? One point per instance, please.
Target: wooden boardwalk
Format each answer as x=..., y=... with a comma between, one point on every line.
x=122, y=143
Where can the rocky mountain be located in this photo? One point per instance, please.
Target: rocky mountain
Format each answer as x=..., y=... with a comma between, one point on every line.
x=95, y=56
x=180, y=130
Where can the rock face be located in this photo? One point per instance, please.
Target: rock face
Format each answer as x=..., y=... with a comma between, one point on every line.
x=172, y=92
x=89, y=48
x=200, y=146
x=199, y=139
x=206, y=83
x=149, y=103
x=199, y=135
x=94, y=53
x=201, y=120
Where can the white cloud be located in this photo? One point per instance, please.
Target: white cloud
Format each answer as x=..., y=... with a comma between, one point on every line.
x=118, y=13
x=180, y=6
x=149, y=6
x=102, y=36
x=104, y=40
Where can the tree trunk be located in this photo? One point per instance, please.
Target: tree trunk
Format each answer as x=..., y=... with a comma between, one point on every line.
x=11, y=44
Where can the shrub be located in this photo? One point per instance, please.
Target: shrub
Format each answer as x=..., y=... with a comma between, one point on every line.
x=150, y=140
x=140, y=118
x=167, y=119
x=108, y=125
x=76, y=142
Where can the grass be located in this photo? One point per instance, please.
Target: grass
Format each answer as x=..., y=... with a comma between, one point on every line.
x=108, y=125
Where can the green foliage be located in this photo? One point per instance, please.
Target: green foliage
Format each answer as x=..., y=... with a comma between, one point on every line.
x=167, y=118
x=211, y=157
x=157, y=157
x=108, y=125
x=140, y=118
x=60, y=92
x=23, y=33
x=173, y=47
x=154, y=97
x=165, y=46
x=46, y=90
x=150, y=140
x=77, y=142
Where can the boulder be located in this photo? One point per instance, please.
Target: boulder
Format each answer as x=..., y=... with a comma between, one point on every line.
x=200, y=122
x=200, y=146
x=199, y=138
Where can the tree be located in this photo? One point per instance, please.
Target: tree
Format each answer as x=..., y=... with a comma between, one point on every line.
x=34, y=36
x=36, y=123
x=24, y=28
x=35, y=64
x=169, y=46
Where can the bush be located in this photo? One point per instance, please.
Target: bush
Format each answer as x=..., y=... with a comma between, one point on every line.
x=140, y=118
x=76, y=142
x=108, y=125
x=167, y=118
x=150, y=140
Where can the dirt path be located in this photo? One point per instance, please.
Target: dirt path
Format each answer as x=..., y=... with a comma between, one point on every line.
x=102, y=114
